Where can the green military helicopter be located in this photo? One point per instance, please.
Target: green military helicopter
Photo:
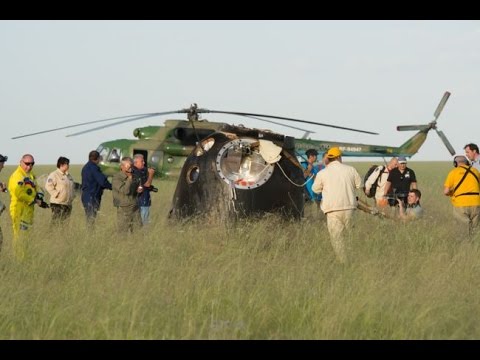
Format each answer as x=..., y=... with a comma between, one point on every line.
x=165, y=148
x=226, y=171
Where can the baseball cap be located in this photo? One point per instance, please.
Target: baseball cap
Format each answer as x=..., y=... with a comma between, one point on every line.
x=3, y=158
x=334, y=152
x=402, y=160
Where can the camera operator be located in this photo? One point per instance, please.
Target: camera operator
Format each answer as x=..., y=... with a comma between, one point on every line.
x=24, y=194
x=145, y=176
x=3, y=188
x=399, y=183
x=125, y=188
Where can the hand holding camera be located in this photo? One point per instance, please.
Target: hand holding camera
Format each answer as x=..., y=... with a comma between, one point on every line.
x=40, y=202
x=400, y=202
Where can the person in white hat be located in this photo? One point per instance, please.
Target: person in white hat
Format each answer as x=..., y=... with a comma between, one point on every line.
x=337, y=183
x=400, y=181
x=462, y=186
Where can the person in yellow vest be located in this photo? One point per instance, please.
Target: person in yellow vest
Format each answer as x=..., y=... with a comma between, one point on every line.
x=24, y=195
x=462, y=186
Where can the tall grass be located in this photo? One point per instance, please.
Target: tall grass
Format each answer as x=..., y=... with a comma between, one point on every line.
x=254, y=279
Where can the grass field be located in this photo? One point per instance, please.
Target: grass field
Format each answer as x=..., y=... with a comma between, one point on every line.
x=257, y=279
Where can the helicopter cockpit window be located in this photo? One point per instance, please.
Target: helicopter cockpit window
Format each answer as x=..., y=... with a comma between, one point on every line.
x=103, y=151
x=240, y=164
x=114, y=156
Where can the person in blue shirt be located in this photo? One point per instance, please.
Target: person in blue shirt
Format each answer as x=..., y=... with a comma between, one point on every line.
x=93, y=184
x=309, y=172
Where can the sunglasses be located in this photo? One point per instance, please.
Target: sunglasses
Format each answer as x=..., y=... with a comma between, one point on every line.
x=29, y=163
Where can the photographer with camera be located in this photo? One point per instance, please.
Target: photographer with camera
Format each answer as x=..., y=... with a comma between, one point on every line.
x=145, y=176
x=24, y=195
x=400, y=181
x=125, y=188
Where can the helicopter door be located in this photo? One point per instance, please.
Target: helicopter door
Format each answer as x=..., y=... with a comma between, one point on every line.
x=155, y=160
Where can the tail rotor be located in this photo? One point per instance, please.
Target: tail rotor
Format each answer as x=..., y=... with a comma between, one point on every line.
x=433, y=124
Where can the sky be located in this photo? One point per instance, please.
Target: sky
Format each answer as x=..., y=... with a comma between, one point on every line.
x=370, y=75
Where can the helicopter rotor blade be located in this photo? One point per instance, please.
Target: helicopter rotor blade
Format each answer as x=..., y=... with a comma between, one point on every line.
x=441, y=105
x=277, y=123
x=142, y=116
x=446, y=142
x=125, y=121
x=80, y=124
x=412, y=127
x=286, y=118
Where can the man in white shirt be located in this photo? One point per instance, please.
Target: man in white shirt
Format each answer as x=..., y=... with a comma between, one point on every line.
x=382, y=181
x=471, y=152
x=337, y=183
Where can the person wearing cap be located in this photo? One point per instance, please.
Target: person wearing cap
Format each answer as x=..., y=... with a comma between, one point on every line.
x=462, y=186
x=3, y=188
x=93, y=184
x=61, y=187
x=24, y=194
x=399, y=182
x=471, y=152
x=309, y=172
x=338, y=183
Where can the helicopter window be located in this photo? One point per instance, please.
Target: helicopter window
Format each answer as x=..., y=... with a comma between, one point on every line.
x=103, y=151
x=188, y=136
x=114, y=156
x=157, y=156
x=239, y=163
x=193, y=174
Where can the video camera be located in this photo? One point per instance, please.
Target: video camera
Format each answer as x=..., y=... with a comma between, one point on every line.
x=397, y=195
x=43, y=204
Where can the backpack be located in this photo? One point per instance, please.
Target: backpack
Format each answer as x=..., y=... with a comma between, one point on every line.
x=373, y=189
